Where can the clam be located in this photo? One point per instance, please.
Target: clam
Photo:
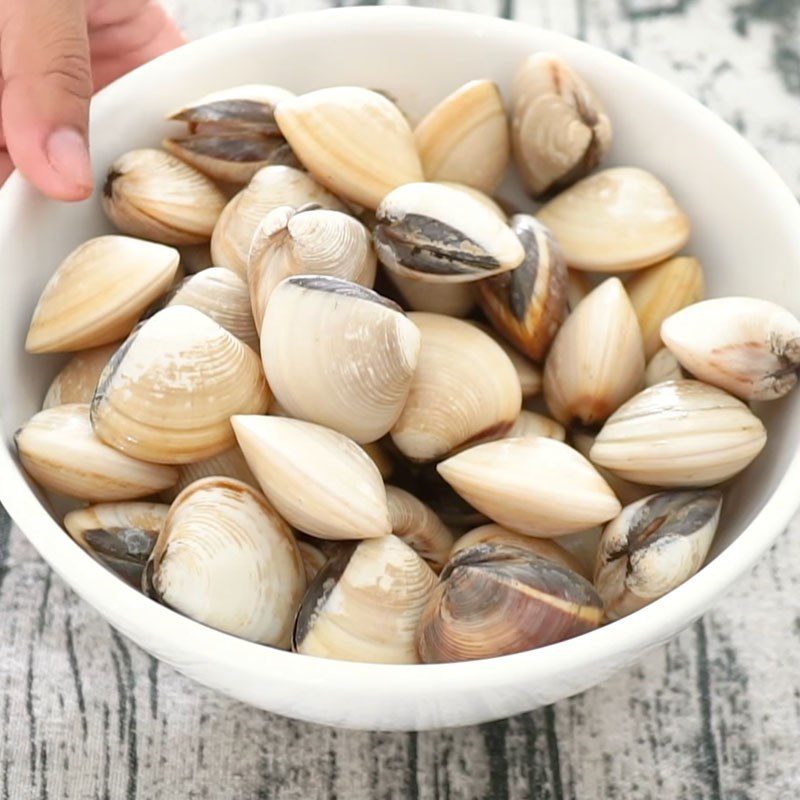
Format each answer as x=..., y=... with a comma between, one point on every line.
x=559, y=129
x=615, y=220
x=597, y=359
x=119, y=535
x=228, y=464
x=653, y=546
x=221, y=295
x=528, y=304
x=529, y=424
x=451, y=299
x=313, y=559
x=170, y=390
x=464, y=138
x=663, y=366
x=60, y=451
x=380, y=458
x=419, y=527
x=339, y=354
x=98, y=292
x=497, y=534
x=658, y=292
x=529, y=374
x=435, y=233
x=270, y=188
x=232, y=134
x=578, y=286
x=354, y=141
x=582, y=546
x=679, y=433
x=539, y=487
x=484, y=199
x=465, y=390
x=154, y=195
x=307, y=241
x=746, y=346
x=496, y=599
x=320, y=481
x=365, y=604
x=225, y=558
x=195, y=257
x=78, y=379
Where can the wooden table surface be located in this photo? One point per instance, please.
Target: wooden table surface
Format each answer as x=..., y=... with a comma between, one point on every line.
x=714, y=714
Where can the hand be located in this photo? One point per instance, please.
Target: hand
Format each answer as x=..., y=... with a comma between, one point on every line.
x=53, y=55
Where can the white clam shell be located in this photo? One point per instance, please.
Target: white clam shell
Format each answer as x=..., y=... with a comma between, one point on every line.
x=354, y=141
x=339, y=354
x=59, y=449
x=539, y=487
x=663, y=366
x=679, y=433
x=483, y=198
x=76, y=382
x=98, y=292
x=170, y=390
x=320, y=481
x=615, y=220
x=529, y=374
x=226, y=559
x=529, y=424
x=465, y=389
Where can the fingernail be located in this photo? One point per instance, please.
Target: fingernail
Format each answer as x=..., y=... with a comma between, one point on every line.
x=68, y=155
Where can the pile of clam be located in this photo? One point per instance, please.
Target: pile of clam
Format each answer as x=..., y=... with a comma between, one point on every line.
x=521, y=434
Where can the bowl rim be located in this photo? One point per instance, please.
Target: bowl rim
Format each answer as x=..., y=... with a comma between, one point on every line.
x=648, y=627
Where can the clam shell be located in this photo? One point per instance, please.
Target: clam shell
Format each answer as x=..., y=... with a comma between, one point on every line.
x=313, y=559
x=339, y=354
x=465, y=390
x=679, y=433
x=98, y=292
x=464, y=138
x=60, y=451
x=354, y=141
x=226, y=559
x=559, y=129
x=320, y=481
x=539, y=487
x=658, y=292
x=154, y=195
x=653, y=546
x=528, y=304
x=419, y=527
x=170, y=390
x=119, y=535
x=78, y=379
x=663, y=366
x=307, y=241
x=451, y=299
x=529, y=374
x=435, y=233
x=495, y=599
x=615, y=220
x=582, y=546
x=597, y=359
x=490, y=203
x=747, y=346
x=365, y=604
x=529, y=424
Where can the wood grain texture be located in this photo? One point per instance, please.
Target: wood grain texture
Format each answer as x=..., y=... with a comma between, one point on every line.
x=712, y=715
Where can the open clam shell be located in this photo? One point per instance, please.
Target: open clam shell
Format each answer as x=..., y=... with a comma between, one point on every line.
x=465, y=390
x=432, y=232
x=615, y=220
x=528, y=304
x=663, y=366
x=120, y=536
x=307, y=241
x=365, y=604
x=354, y=141
x=529, y=424
x=225, y=558
x=747, y=346
x=539, y=487
x=60, y=451
x=269, y=188
x=154, y=195
x=339, y=354
x=464, y=138
x=169, y=392
x=320, y=481
x=653, y=546
x=78, y=379
x=98, y=292
x=597, y=359
x=495, y=599
x=679, y=433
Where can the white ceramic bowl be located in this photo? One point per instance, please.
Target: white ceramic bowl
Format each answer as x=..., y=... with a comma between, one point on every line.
x=746, y=232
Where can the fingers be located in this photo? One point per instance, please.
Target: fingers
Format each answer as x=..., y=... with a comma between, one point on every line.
x=48, y=85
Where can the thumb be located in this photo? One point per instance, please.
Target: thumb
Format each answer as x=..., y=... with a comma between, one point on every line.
x=48, y=85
